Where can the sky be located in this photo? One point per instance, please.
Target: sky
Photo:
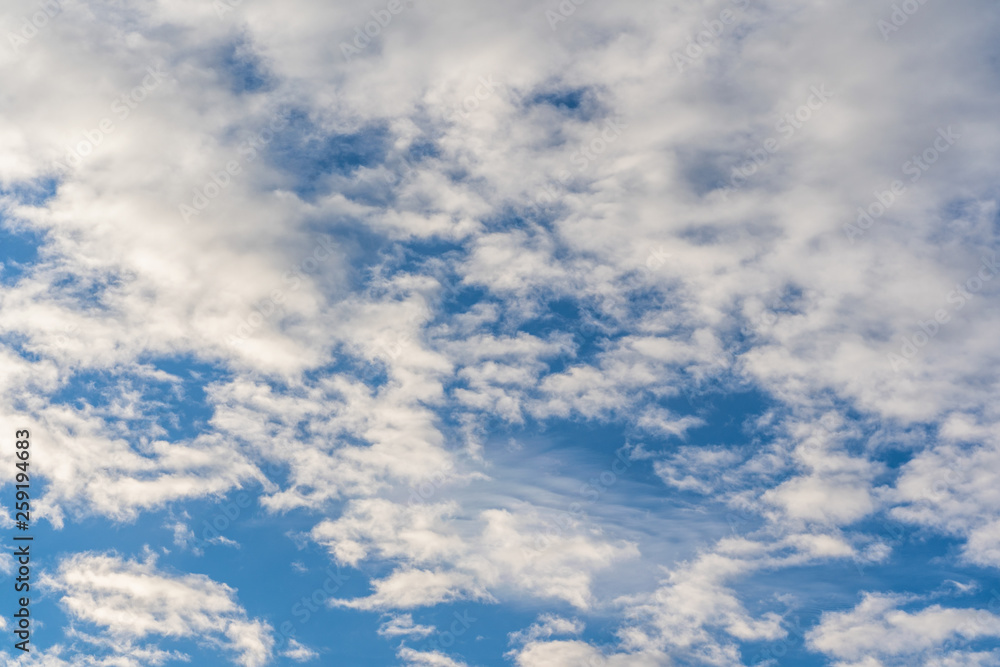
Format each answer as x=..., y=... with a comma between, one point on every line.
x=426, y=333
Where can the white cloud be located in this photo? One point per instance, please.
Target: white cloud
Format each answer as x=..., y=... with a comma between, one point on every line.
x=92, y=651
x=547, y=626
x=697, y=469
x=97, y=472
x=402, y=626
x=948, y=488
x=498, y=551
x=878, y=631
x=299, y=652
x=570, y=653
x=416, y=658
x=183, y=535
x=133, y=600
x=696, y=614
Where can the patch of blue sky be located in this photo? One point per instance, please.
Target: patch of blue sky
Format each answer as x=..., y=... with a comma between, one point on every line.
x=310, y=155
x=921, y=560
x=402, y=165
x=20, y=344
x=706, y=171
x=243, y=68
x=510, y=217
x=423, y=254
x=18, y=252
x=87, y=291
x=458, y=297
x=32, y=193
x=801, y=607
x=591, y=321
x=20, y=244
x=565, y=316
x=422, y=149
x=580, y=103
x=288, y=582
x=373, y=372
x=191, y=408
x=790, y=650
x=487, y=637
x=728, y=415
x=591, y=463
x=177, y=405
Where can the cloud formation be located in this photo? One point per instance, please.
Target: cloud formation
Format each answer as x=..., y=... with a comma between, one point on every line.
x=134, y=601
x=584, y=308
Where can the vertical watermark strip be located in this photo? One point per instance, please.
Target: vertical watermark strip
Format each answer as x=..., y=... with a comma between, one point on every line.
x=22, y=542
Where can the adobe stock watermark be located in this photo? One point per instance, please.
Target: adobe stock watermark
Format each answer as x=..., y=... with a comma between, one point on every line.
x=593, y=149
x=122, y=107
x=447, y=638
x=220, y=179
x=293, y=280
x=787, y=126
x=309, y=605
x=212, y=529
x=915, y=168
x=363, y=35
x=713, y=31
x=956, y=299
x=655, y=261
x=471, y=103
x=900, y=16
x=425, y=490
x=62, y=339
x=566, y=8
x=33, y=24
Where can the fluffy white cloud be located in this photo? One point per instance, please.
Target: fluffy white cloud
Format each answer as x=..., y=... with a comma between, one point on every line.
x=498, y=550
x=573, y=653
x=537, y=648
x=92, y=651
x=695, y=614
x=132, y=600
x=949, y=488
x=878, y=632
x=416, y=658
x=547, y=626
x=299, y=652
x=402, y=626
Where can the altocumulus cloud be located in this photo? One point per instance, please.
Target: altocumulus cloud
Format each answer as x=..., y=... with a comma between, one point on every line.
x=133, y=600
x=535, y=360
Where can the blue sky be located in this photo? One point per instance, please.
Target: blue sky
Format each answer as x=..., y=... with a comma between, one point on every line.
x=533, y=334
